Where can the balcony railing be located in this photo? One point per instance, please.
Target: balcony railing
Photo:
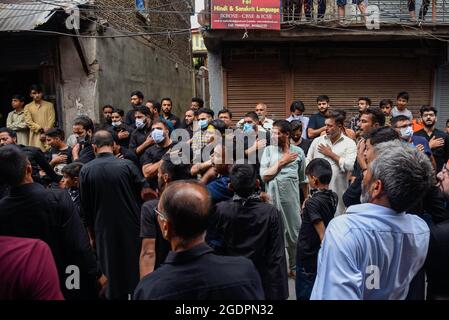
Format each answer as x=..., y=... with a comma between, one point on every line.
x=389, y=12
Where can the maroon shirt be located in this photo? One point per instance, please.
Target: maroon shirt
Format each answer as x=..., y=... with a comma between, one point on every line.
x=27, y=270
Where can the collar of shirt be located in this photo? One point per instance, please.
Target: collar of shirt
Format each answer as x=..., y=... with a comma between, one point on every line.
x=20, y=112
x=375, y=209
x=188, y=255
x=342, y=137
x=105, y=155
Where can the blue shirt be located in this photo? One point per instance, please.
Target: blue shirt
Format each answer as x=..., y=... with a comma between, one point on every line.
x=370, y=253
x=218, y=189
x=416, y=140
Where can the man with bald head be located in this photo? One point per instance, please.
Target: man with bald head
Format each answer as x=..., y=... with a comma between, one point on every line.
x=192, y=270
x=110, y=201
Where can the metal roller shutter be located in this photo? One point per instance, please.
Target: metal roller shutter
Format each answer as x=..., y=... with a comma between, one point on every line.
x=250, y=82
x=442, y=95
x=346, y=79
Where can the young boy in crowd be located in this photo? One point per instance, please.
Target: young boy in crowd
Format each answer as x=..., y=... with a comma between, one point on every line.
x=70, y=181
x=318, y=211
x=401, y=106
x=386, y=105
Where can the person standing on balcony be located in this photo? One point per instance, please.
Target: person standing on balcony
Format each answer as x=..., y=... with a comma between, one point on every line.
x=422, y=11
x=360, y=4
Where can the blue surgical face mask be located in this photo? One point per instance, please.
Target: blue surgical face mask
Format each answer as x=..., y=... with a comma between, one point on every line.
x=140, y=123
x=203, y=123
x=248, y=127
x=157, y=135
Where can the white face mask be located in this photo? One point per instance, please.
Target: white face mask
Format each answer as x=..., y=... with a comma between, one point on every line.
x=407, y=132
x=116, y=124
x=140, y=123
x=296, y=117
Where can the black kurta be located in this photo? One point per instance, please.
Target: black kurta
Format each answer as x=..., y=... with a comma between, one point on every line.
x=110, y=200
x=49, y=214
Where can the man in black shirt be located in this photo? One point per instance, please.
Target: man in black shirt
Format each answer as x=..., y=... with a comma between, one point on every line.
x=121, y=152
x=110, y=200
x=136, y=101
x=192, y=271
x=167, y=105
x=318, y=211
x=47, y=214
x=141, y=138
x=154, y=247
x=297, y=139
x=316, y=122
x=151, y=159
x=247, y=226
x=119, y=127
x=60, y=154
x=438, y=140
x=83, y=128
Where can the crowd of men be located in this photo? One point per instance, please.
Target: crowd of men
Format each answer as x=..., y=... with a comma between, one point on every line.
x=147, y=205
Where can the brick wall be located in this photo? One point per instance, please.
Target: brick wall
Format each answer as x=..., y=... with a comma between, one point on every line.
x=121, y=16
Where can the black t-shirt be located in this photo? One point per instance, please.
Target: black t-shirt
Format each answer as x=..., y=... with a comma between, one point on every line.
x=54, y=152
x=441, y=154
x=305, y=145
x=152, y=155
x=316, y=121
x=149, y=228
x=321, y=206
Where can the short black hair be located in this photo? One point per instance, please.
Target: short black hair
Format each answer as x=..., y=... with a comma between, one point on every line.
x=187, y=205
x=56, y=133
x=36, y=87
x=368, y=100
x=297, y=105
x=383, y=134
x=103, y=138
x=296, y=125
x=85, y=122
x=321, y=169
x=9, y=131
x=322, y=98
x=176, y=172
x=206, y=110
x=252, y=115
x=158, y=106
x=338, y=115
x=219, y=125
x=385, y=102
x=156, y=121
x=447, y=121
x=398, y=118
x=427, y=108
x=14, y=162
x=108, y=106
x=377, y=116
x=243, y=179
x=283, y=125
x=18, y=97
x=143, y=110
x=403, y=95
x=137, y=93
x=72, y=169
x=119, y=111
x=224, y=110
x=200, y=102
x=166, y=99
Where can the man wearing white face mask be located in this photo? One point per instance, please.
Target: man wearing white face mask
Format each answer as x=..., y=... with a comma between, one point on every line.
x=297, y=109
x=152, y=158
x=403, y=126
x=141, y=138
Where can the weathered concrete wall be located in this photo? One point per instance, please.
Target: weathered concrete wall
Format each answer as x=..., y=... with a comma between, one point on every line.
x=127, y=64
x=78, y=90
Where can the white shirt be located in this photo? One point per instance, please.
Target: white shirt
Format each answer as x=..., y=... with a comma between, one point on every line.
x=346, y=149
x=370, y=253
x=406, y=112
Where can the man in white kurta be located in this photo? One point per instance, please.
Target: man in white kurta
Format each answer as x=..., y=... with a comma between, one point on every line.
x=340, y=151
